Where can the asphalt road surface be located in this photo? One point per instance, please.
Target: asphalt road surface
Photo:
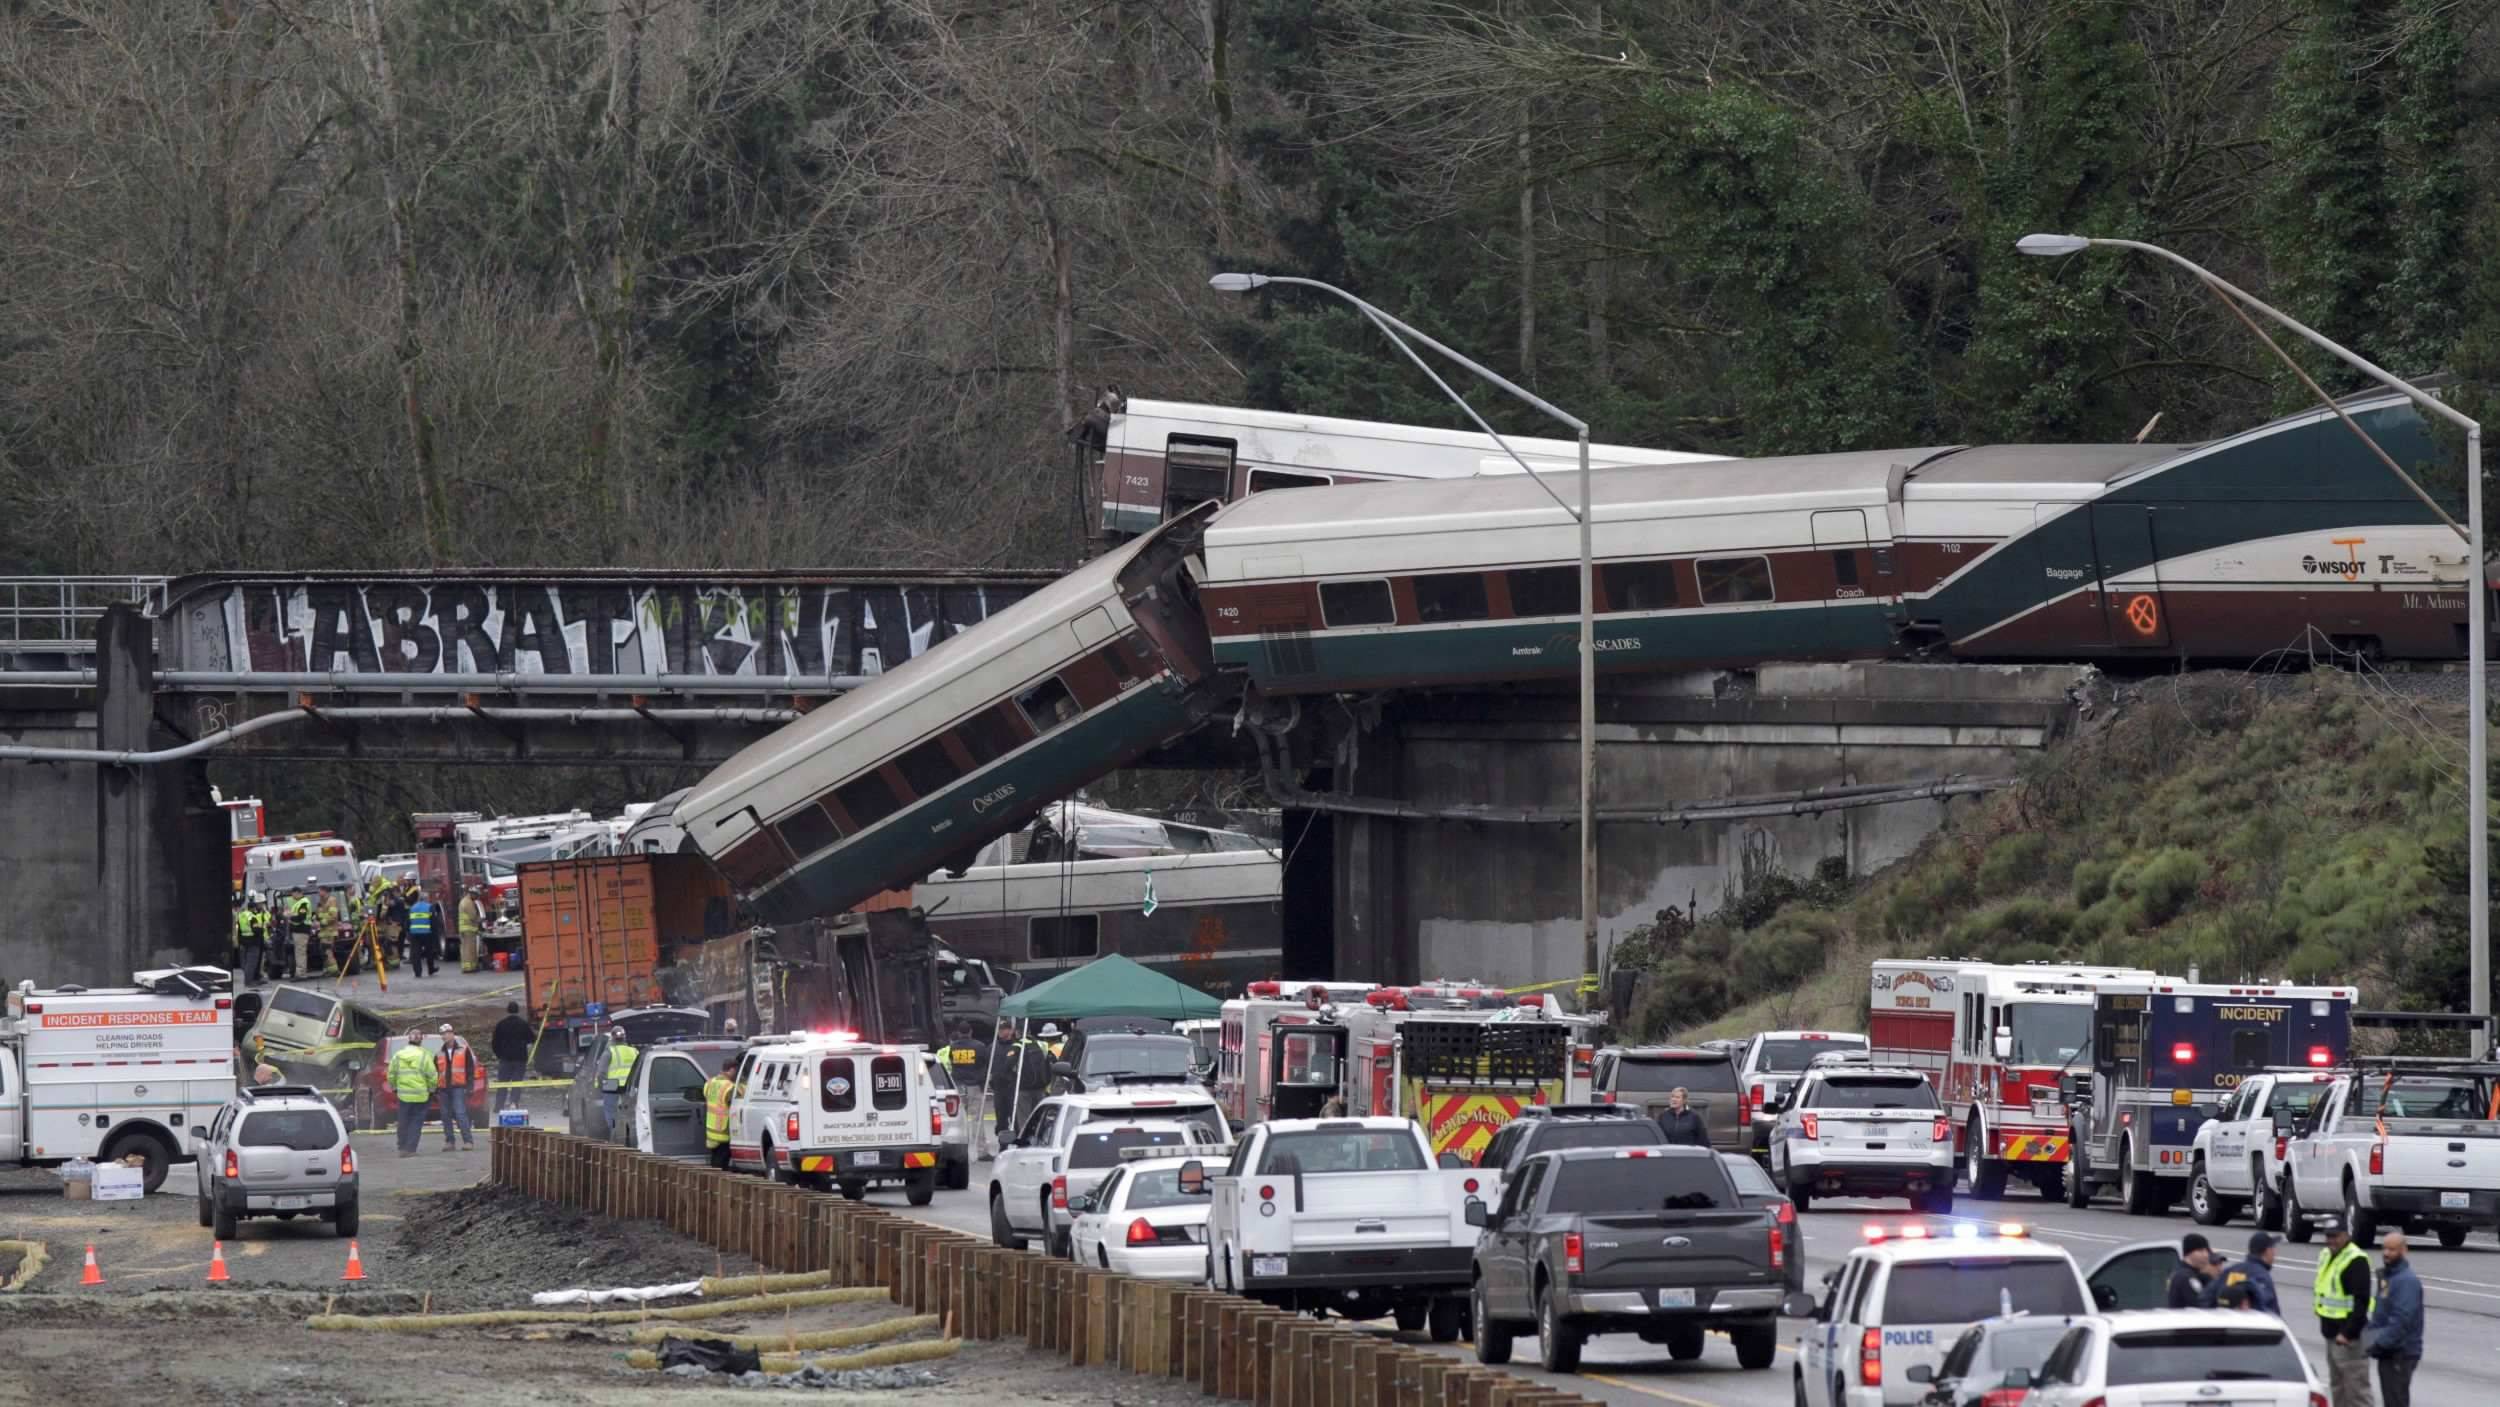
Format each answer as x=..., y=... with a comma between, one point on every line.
x=2462, y=1368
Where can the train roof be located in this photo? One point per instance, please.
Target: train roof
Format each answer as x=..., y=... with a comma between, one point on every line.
x=898, y=690
x=1852, y=479
x=2042, y=464
x=1288, y=439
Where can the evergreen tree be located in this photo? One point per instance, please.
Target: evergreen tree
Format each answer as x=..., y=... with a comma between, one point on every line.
x=2423, y=306
x=2328, y=222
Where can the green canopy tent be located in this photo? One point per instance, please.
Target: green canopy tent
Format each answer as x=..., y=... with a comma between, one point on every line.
x=1110, y=985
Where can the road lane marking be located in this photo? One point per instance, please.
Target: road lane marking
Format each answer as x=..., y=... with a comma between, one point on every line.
x=1646, y=1390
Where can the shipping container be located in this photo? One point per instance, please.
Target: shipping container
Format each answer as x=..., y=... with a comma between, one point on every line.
x=596, y=930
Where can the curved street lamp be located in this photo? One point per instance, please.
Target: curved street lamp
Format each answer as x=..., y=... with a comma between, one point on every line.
x=1399, y=333
x=2477, y=838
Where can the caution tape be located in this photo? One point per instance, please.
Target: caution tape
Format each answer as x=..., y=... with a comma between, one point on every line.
x=450, y=1001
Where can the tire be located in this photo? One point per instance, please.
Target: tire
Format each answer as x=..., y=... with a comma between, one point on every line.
x=1797, y=1383
x=2452, y=1237
x=2136, y=1192
x=1102, y=1257
x=346, y=1219
x=1557, y=1341
x=2208, y=1207
x=1054, y=1243
x=159, y=1156
x=958, y=1178
x=1492, y=1340
x=1800, y=1193
x=1936, y=1201
x=2364, y=1226
x=2296, y=1227
x=921, y=1191
x=207, y=1217
x=1987, y=1175
x=853, y=1189
x=2078, y=1175
x=1002, y=1235
x=1685, y=1342
x=2269, y=1210
x=1757, y=1346
x=2051, y=1182
x=226, y=1223
x=1445, y=1319
x=1410, y=1318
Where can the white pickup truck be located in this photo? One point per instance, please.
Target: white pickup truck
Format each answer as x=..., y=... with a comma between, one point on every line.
x=1348, y=1216
x=2236, y=1163
x=2400, y=1142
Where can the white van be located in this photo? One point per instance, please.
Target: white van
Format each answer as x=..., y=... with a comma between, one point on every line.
x=316, y=864
x=834, y=1110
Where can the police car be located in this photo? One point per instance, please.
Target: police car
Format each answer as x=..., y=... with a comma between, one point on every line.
x=1903, y=1296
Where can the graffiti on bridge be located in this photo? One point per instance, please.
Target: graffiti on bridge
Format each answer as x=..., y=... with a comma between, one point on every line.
x=768, y=629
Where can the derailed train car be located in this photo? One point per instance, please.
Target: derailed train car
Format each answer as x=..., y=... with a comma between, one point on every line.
x=922, y=766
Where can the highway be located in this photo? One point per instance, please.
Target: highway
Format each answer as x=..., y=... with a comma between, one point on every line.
x=2462, y=1368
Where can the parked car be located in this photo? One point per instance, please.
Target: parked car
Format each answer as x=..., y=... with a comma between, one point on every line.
x=278, y=1151
x=1643, y=1076
x=1099, y=1151
x=1023, y=1198
x=1139, y=1221
x=1865, y=1131
x=1103, y=1060
x=481, y=1095
x=1755, y=1188
x=2400, y=1143
x=307, y=1026
x=2166, y=1356
x=954, y=1130
x=1651, y=1241
x=585, y=1113
x=1770, y=1066
x=833, y=1110
x=661, y=1110
x=2237, y=1160
x=1992, y=1363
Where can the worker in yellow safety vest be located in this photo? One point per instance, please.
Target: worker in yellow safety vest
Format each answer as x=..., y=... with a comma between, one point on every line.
x=413, y=1080
x=2342, y=1292
x=251, y=939
x=620, y=1064
x=716, y=1092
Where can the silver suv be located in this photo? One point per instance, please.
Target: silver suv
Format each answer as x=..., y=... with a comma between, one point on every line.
x=275, y=1150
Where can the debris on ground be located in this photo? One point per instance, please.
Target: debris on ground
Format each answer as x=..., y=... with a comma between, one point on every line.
x=709, y=1356
x=854, y=1380
x=491, y=1247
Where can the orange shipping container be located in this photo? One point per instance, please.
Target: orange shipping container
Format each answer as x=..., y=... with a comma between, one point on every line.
x=595, y=929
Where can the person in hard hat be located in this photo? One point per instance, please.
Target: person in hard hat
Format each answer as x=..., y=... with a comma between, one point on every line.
x=717, y=1092
x=612, y=1080
x=302, y=923
x=461, y=1078
x=1052, y=1041
x=412, y=1079
x=472, y=926
x=425, y=937
x=395, y=921
x=324, y=933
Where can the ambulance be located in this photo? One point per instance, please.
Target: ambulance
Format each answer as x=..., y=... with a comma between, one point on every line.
x=109, y=1072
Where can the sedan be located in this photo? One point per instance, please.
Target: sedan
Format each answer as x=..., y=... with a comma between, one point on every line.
x=1139, y=1222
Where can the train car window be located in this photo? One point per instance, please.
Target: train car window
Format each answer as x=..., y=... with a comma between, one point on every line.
x=755, y=861
x=1638, y=586
x=1728, y=581
x=1356, y=603
x=1115, y=660
x=1261, y=480
x=927, y=769
x=1545, y=591
x=1047, y=705
x=1845, y=566
x=868, y=800
x=1451, y=596
x=1064, y=936
x=807, y=830
x=988, y=736
x=1194, y=471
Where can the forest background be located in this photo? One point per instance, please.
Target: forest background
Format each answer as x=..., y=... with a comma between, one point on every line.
x=339, y=284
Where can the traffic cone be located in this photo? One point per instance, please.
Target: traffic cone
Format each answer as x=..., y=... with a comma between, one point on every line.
x=355, y=1264
x=94, y=1274
x=217, y=1263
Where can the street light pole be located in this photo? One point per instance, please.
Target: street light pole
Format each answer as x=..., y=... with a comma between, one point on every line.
x=1393, y=328
x=2477, y=766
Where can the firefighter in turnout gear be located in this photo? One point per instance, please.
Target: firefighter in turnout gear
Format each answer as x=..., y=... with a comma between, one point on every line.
x=716, y=1093
x=472, y=925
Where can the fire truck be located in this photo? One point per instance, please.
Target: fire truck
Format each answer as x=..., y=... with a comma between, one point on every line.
x=1994, y=1038
x=1463, y=1062
x=247, y=825
x=1248, y=1060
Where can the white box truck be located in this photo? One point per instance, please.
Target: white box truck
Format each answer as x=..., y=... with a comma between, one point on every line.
x=104, y=1073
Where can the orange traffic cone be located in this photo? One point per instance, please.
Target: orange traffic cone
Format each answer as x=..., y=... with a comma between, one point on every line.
x=355, y=1264
x=94, y=1275
x=217, y=1263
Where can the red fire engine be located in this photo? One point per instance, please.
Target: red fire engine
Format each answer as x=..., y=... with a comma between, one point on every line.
x=1994, y=1038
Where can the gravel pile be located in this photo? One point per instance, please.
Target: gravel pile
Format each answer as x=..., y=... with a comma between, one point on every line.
x=489, y=1247
x=856, y=1380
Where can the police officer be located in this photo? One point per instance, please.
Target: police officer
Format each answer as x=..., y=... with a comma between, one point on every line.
x=716, y=1092
x=251, y=940
x=1021, y=1070
x=2193, y=1275
x=612, y=1080
x=2395, y=1336
x=425, y=939
x=413, y=1081
x=2342, y=1294
x=2249, y=1284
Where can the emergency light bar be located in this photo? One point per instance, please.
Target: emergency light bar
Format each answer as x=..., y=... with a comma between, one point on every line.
x=1180, y=1150
x=1875, y=1231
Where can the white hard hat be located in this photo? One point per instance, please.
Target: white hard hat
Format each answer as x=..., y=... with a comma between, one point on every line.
x=1050, y=1028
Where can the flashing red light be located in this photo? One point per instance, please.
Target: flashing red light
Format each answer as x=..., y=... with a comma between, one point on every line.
x=1532, y=1001
x=1059, y=1193
x=1571, y=1253
x=347, y=1160
x=1942, y=1131
x=1813, y=1129
x=1816, y=1036
x=1266, y=989
x=232, y=1169
x=2320, y=1055
x=2183, y=1053
x=1871, y=1358
x=1142, y=1233
x=1872, y=1231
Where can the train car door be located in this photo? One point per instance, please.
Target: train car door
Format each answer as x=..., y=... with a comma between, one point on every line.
x=2122, y=535
x=1840, y=534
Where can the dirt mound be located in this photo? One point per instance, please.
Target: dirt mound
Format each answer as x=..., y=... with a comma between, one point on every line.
x=489, y=1247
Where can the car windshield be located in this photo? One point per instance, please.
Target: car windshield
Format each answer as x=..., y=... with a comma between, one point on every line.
x=1595, y=1133
x=2258, y=1354
x=1159, y=1188
x=651, y=1028
x=1201, y=1118
x=1167, y=1057
x=2436, y=1097
x=2020, y=1346
x=1796, y=1054
x=1880, y=1092
x=1682, y=1184
x=1101, y=1148
x=304, y=1130
x=1750, y=1179
x=1636, y=1075
x=1353, y=1150
x=1965, y=1291
x=2048, y=1033
x=295, y=1001
x=2290, y=1101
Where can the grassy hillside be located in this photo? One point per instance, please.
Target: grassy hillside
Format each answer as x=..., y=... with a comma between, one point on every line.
x=2302, y=827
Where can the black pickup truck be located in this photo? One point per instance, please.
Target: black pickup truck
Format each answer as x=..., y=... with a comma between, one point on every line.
x=1652, y=1241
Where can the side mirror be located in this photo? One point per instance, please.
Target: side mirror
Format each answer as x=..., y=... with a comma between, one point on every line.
x=199, y=1133
x=1798, y=1306
x=1476, y=1213
x=2003, y=1043
x=2105, y=1297
x=1451, y=1158
x=1080, y=1204
x=1921, y=1373
x=1193, y=1179
x=1062, y=1067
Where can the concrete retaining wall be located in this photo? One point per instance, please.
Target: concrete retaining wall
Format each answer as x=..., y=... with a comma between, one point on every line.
x=1229, y=1346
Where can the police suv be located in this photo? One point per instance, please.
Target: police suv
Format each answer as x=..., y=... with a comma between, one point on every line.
x=830, y=1109
x=1903, y=1297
